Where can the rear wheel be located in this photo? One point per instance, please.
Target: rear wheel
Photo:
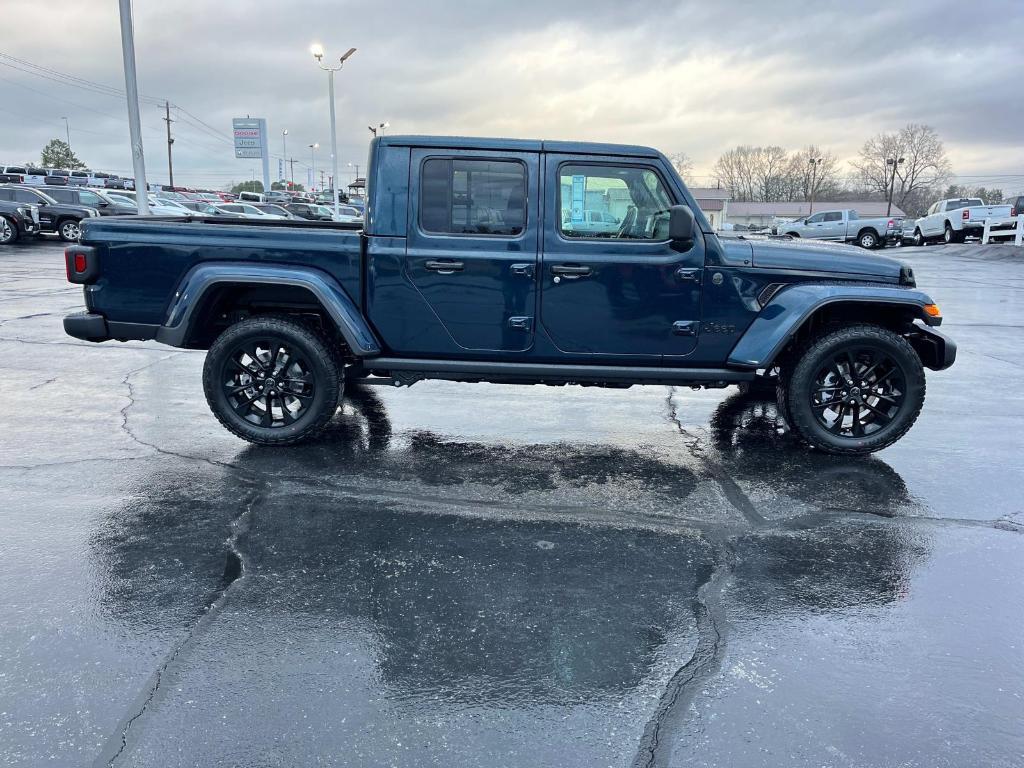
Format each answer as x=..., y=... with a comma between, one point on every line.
x=867, y=239
x=8, y=232
x=950, y=235
x=854, y=390
x=69, y=230
x=272, y=380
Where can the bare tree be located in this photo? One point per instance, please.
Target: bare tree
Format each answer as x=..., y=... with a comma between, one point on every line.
x=759, y=173
x=736, y=172
x=925, y=167
x=683, y=165
x=822, y=178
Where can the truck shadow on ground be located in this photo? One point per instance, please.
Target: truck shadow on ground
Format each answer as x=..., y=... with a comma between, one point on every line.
x=511, y=611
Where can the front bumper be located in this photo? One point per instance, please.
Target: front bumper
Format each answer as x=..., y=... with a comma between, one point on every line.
x=936, y=350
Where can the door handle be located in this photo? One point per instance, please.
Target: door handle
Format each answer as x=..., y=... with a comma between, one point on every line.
x=445, y=267
x=687, y=275
x=570, y=271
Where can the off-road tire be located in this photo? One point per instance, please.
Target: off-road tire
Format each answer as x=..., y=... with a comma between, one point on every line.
x=8, y=231
x=315, y=350
x=795, y=390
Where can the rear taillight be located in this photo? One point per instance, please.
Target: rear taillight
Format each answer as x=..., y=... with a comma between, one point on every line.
x=1013, y=212
x=966, y=214
x=81, y=264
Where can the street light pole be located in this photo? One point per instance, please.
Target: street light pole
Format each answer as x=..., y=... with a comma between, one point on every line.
x=284, y=152
x=132, y=94
x=894, y=162
x=318, y=54
x=67, y=131
x=312, y=165
x=814, y=162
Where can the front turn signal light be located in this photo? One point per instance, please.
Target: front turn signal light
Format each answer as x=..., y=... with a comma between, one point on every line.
x=932, y=310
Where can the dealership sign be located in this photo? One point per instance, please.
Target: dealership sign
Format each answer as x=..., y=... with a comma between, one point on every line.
x=250, y=136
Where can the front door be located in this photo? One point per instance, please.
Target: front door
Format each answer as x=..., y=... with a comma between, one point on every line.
x=613, y=284
x=472, y=245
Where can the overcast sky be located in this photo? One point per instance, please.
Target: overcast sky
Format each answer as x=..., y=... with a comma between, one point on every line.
x=696, y=77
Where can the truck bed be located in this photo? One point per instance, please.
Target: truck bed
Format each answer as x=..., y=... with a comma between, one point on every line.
x=144, y=259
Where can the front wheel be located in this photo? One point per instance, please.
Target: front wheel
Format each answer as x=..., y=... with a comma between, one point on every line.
x=69, y=231
x=918, y=237
x=8, y=232
x=855, y=390
x=272, y=380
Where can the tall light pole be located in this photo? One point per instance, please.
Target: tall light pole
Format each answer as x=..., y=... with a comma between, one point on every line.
x=318, y=53
x=132, y=95
x=284, y=153
x=67, y=131
x=895, y=162
x=312, y=165
x=814, y=162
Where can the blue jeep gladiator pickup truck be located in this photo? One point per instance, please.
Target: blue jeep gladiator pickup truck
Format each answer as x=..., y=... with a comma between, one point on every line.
x=530, y=262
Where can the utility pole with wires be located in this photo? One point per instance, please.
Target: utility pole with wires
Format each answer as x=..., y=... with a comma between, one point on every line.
x=291, y=172
x=170, y=141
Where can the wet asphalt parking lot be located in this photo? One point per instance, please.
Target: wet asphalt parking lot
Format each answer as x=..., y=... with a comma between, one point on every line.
x=482, y=575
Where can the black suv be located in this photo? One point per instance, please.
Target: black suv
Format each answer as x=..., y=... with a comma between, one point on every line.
x=307, y=211
x=16, y=220
x=64, y=220
x=90, y=198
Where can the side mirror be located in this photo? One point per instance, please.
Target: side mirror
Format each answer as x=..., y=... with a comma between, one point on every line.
x=680, y=223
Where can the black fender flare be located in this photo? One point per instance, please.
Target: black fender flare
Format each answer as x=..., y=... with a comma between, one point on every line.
x=791, y=307
x=332, y=297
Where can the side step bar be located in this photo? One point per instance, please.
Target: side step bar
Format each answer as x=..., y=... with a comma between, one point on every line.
x=403, y=371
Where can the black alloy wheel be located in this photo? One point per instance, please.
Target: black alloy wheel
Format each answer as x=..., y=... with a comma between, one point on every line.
x=857, y=391
x=853, y=390
x=272, y=380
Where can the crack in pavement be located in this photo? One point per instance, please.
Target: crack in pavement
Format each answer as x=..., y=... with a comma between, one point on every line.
x=706, y=660
x=236, y=568
x=733, y=493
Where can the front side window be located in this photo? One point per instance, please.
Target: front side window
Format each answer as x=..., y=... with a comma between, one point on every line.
x=816, y=218
x=612, y=201
x=473, y=197
x=89, y=198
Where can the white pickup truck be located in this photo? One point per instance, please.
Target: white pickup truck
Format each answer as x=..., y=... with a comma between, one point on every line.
x=954, y=219
x=846, y=226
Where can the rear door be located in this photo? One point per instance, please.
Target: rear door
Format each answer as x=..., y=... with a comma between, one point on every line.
x=622, y=292
x=833, y=226
x=472, y=245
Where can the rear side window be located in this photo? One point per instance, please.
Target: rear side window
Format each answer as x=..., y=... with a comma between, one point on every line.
x=833, y=216
x=62, y=196
x=473, y=197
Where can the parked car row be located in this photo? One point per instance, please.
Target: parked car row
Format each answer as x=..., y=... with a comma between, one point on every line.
x=32, y=209
x=955, y=219
x=951, y=221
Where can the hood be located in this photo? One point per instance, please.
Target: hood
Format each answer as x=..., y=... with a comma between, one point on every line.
x=816, y=256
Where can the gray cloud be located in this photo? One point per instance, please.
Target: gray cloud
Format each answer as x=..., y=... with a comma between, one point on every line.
x=696, y=77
